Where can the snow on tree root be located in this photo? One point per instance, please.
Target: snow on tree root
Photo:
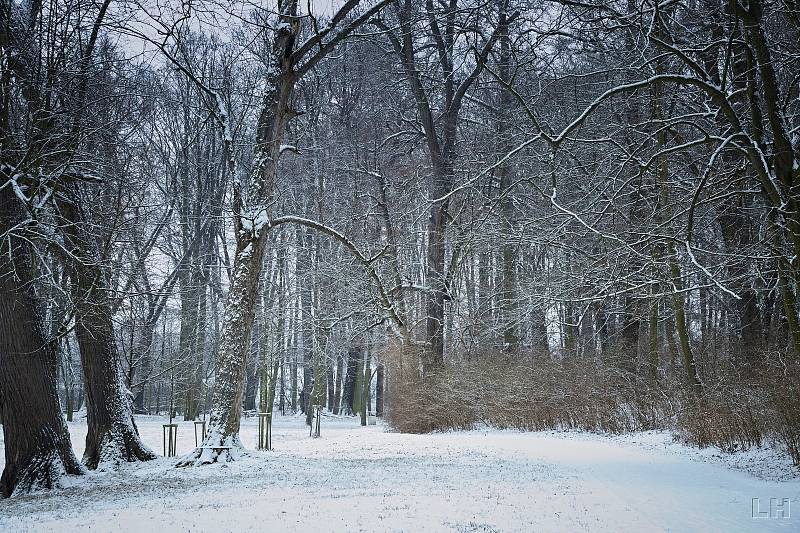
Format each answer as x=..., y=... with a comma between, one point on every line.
x=44, y=471
x=214, y=449
x=118, y=448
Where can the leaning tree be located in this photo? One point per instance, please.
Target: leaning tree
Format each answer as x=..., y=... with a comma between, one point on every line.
x=288, y=60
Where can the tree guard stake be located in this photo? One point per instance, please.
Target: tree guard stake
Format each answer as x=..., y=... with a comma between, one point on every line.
x=265, y=431
x=315, y=423
x=202, y=437
x=170, y=438
x=171, y=430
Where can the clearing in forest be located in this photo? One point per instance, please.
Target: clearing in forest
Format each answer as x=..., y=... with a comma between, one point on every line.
x=357, y=478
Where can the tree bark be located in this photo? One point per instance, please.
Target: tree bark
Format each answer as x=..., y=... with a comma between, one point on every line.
x=379, y=385
x=507, y=254
x=653, y=341
x=337, y=395
x=256, y=366
x=366, y=403
x=331, y=386
x=441, y=138
x=222, y=440
x=353, y=363
x=38, y=450
x=188, y=338
x=112, y=436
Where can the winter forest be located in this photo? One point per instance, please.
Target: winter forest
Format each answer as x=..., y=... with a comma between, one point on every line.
x=424, y=251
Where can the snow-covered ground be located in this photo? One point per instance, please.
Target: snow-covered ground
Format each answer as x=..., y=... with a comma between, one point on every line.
x=367, y=479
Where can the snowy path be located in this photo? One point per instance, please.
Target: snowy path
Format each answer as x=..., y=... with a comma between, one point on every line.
x=364, y=479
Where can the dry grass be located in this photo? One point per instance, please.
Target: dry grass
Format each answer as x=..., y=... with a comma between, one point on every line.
x=529, y=394
x=735, y=412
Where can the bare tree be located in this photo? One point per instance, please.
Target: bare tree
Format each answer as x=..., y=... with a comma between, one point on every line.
x=288, y=61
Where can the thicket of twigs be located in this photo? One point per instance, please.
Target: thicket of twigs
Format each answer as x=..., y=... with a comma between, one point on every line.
x=736, y=410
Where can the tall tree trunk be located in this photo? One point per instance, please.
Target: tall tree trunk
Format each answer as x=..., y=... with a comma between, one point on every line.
x=256, y=364
x=366, y=402
x=736, y=230
x=68, y=376
x=38, y=451
x=441, y=139
x=337, y=395
x=331, y=386
x=142, y=354
x=280, y=337
x=508, y=255
x=282, y=399
x=652, y=367
x=631, y=323
x=112, y=436
x=784, y=160
x=678, y=297
x=539, y=338
x=692, y=376
x=379, y=386
x=200, y=350
x=222, y=439
x=187, y=273
x=293, y=379
x=353, y=363
x=304, y=265
x=187, y=337
x=251, y=207
x=435, y=277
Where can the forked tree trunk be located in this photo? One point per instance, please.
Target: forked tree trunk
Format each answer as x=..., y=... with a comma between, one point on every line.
x=38, y=450
x=112, y=436
x=251, y=209
x=441, y=139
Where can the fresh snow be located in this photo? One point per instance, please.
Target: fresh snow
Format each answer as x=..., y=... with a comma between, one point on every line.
x=357, y=478
x=255, y=221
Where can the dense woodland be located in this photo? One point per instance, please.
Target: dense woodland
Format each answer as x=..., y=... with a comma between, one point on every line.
x=526, y=213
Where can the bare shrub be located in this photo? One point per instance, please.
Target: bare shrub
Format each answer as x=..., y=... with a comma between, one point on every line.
x=720, y=419
x=524, y=393
x=744, y=406
x=738, y=410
